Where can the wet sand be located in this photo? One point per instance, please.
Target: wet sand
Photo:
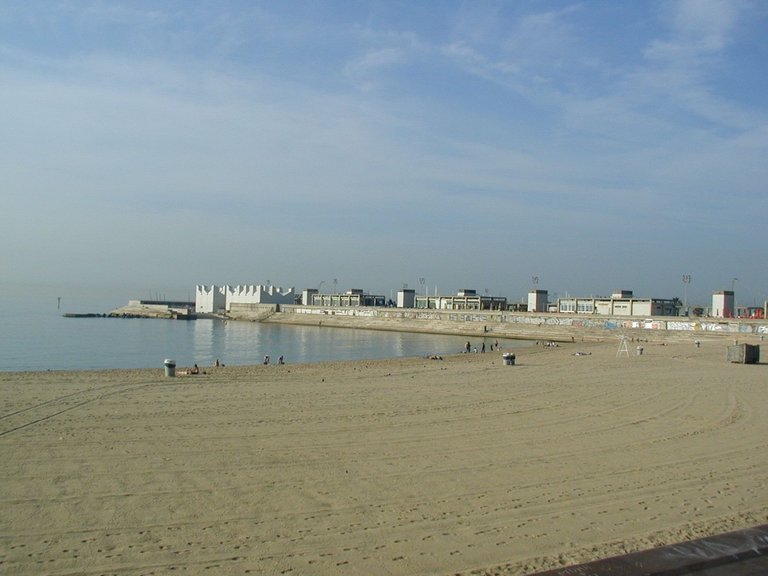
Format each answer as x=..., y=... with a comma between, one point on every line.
x=454, y=466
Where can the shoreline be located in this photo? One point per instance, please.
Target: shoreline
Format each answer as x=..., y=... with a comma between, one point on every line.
x=413, y=465
x=483, y=324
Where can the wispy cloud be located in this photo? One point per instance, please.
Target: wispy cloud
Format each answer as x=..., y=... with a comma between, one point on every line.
x=303, y=140
x=697, y=29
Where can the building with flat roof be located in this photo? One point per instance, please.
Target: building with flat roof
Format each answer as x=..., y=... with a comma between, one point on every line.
x=538, y=301
x=621, y=303
x=351, y=298
x=465, y=299
x=406, y=298
x=723, y=304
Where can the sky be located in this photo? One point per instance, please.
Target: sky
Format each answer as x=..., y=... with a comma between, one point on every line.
x=578, y=147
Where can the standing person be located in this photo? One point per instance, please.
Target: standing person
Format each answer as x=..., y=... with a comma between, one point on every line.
x=483, y=348
x=467, y=347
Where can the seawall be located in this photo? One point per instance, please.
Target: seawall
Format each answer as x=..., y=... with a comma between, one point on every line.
x=518, y=325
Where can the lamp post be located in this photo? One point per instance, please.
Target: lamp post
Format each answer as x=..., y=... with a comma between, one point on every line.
x=733, y=289
x=423, y=282
x=686, y=281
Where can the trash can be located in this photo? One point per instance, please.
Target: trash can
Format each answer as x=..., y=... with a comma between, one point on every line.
x=509, y=359
x=170, y=368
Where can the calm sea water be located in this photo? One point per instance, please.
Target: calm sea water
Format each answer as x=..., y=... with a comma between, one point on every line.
x=35, y=336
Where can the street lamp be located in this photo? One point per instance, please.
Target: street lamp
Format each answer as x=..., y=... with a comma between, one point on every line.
x=423, y=282
x=686, y=281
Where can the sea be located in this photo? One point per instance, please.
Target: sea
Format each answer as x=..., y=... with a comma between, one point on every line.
x=35, y=335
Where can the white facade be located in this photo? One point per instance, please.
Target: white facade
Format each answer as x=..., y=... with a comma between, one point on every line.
x=618, y=306
x=618, y=294
x=537, y=301
x=723, y=304
x=406, y=298
x=465, y=300
x=212, y=299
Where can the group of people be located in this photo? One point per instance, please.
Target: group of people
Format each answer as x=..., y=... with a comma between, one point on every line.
x=468, y=347
x=217, y=364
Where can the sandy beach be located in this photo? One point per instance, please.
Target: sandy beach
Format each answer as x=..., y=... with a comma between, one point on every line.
x=454, y=466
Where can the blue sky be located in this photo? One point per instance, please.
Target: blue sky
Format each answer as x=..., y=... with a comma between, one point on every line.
x=596, y=145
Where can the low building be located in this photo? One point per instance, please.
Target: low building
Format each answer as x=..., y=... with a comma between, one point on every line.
x=351, y=298
x=621, y=303
x=751, y=312
x=465, y=299
x=175, y=307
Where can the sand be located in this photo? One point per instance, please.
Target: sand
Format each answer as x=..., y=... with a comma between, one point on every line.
x=459, y=466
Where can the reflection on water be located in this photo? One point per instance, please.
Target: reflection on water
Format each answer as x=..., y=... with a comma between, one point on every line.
x=248, y=343
x=41, y=339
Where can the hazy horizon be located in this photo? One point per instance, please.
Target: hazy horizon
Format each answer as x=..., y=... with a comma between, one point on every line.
x=150, y=147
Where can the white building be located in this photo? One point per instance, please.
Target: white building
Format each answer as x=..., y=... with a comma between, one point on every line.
x=406, y=298
x=465, y=299
x=537, y=301
x=213, y=299
x=621, y=303
x=210, y=299
x=723, y=304
x=351, y=298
